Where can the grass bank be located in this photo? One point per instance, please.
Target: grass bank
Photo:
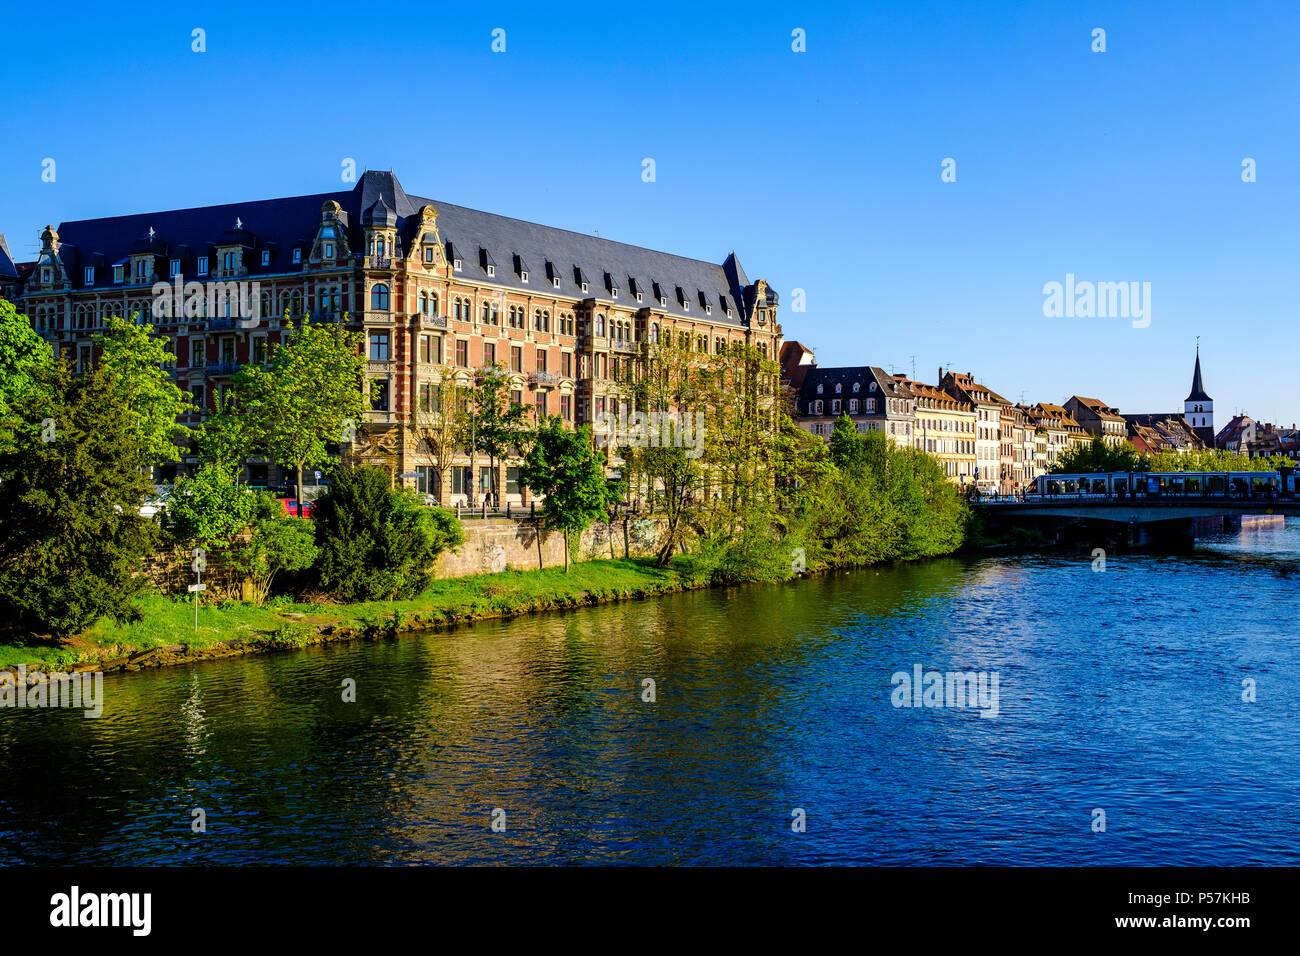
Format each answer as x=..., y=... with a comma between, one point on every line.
x=166, y=633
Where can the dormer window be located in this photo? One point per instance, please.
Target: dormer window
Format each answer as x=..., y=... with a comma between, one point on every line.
x=663, y=301
x=614, y=291
x=555, y=282
x=873, y=386
x=838, y=388
x=45, y=274
x=523, y=276
x=119, y=273
x=297, y=256
x=175, y=267
x=266, y=257
x=638, y=296
x=856, y=385
x=584, y=287
x=819, y=389
x=492, y=270
x=428, y=254
x=90, y=275
x=203, y=265
x=329, y=250
x=708, y=310
x=455, y=264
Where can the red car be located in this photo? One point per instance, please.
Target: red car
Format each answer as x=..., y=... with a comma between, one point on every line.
x=290, y=506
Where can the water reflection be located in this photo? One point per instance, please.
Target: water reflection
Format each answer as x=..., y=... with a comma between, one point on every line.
x=1119, y=690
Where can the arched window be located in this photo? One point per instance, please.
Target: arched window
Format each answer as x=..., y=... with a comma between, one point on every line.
x=486, y=311
x=424, y=303
x=433, y=303
x=379, y=297
x=600, y=324
x=654, y=332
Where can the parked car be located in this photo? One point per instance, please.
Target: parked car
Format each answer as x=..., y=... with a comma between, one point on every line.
x=290, y=506
x=155, y=504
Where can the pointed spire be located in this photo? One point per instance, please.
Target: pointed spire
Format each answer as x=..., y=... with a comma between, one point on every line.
x=1198, y=387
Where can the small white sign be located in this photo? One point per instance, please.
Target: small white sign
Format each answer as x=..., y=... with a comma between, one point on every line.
x=197, y=587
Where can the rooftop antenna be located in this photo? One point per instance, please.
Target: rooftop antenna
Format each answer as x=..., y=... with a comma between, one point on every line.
x=913, y=358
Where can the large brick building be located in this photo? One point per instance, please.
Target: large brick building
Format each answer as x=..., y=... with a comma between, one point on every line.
x=433, y=287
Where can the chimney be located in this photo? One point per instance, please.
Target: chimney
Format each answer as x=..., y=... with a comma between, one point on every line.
x=940, y=382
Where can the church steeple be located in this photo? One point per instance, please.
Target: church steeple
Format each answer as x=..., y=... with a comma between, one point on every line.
x=1198, y=409
x=1198, y=387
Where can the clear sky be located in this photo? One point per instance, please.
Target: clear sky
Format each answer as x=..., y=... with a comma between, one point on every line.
x=821, y=169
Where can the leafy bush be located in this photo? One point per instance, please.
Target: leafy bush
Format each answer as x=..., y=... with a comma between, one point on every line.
x=377, y=542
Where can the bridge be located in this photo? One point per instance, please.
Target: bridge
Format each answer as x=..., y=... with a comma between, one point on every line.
x=1134, y=521
x=1136, y=510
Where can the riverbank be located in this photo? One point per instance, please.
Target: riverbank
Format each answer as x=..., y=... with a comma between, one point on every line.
x=166, y=633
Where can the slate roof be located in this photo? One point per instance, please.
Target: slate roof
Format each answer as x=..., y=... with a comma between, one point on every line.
x=887, y=386
x=278, y=225
x=7, y=268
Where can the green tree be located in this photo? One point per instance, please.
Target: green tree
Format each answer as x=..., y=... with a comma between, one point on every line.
x=436, y=422
x=224, y=438
x=1097, y=456
x=209, y=509
x=71, y=534
x=23, y=354
x=273, y=543
x=495, y=424
x=139, y=361
x=301, y=400
x=377, y=541
x=563, y=466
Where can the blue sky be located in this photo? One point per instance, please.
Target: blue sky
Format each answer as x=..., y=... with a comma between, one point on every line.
x=820, y=169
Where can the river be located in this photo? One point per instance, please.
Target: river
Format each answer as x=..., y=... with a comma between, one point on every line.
x=1118, y=690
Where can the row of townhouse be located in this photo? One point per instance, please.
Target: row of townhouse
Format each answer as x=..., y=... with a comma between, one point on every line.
x=980, y=438
x=435, y=289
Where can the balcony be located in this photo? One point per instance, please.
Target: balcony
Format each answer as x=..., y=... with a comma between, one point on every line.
x=374, y=262
x=223, y=368
x=544, y=378
x=620, y=346
x=434, y=321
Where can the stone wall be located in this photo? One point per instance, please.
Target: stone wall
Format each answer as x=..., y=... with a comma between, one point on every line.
x=491, y=545
x=498, y=544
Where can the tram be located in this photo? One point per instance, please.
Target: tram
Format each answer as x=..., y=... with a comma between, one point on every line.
x=1168, y=484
